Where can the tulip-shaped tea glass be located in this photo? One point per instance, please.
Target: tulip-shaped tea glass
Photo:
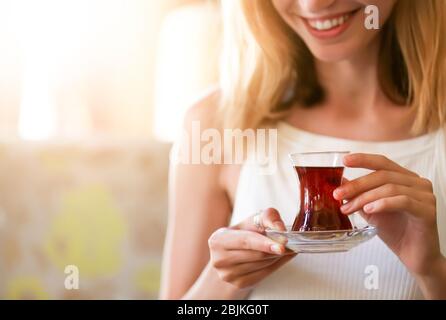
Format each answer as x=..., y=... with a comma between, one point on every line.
x=319, y=225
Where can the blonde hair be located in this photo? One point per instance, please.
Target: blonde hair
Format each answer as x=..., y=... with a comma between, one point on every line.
x=262, y=57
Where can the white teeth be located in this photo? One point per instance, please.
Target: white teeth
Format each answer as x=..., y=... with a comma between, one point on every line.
x=328, y=23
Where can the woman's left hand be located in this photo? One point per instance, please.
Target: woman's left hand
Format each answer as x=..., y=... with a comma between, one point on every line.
x=401, y=204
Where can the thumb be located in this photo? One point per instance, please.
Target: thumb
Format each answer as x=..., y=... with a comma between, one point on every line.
x=269, y=218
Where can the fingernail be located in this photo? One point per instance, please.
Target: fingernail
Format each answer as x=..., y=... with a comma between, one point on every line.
x=338, y=193
x=279, y=226
x=369, y=207
x=276, y=248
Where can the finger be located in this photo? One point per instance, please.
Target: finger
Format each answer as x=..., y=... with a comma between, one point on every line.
x=235, y=271
x=385, y=191
x=374, y=162
x=344, y=181
x=250, y=279
x=233, y=257
x=397, y=203
x=375, y=179
x=248, y=240
x=269, y=218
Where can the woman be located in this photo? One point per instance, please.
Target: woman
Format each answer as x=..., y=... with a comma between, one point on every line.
x=312, y=70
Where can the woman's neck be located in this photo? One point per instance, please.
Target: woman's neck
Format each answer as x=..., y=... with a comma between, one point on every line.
x=354, y=107
x=352, y=85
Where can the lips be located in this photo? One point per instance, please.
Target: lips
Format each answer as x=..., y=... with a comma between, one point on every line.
x=329, y=26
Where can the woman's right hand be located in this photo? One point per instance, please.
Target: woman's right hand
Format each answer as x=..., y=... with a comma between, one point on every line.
x=243, y=256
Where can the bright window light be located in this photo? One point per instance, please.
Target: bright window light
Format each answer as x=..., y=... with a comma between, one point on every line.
x=187, y=64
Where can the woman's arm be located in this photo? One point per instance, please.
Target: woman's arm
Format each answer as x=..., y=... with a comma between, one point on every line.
x=433, y=284
x=198, y=205
x=205, y=259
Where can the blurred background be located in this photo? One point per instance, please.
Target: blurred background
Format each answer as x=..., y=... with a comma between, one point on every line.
x=92, y=93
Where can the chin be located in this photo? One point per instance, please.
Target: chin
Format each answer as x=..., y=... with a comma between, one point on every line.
x=331, y=54
x=336, y=52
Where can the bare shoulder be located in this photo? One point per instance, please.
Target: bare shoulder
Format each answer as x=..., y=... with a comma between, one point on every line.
x=204, y=110
x=200, y=116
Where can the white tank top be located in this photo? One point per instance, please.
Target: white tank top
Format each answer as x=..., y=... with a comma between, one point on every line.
x=339, y=275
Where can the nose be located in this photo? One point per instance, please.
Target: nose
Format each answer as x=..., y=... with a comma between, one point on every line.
x=313, y=6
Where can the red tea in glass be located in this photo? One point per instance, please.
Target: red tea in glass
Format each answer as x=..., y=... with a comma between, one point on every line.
x=319, y=174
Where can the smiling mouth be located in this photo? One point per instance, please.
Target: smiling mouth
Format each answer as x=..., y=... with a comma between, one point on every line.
x=330, y=23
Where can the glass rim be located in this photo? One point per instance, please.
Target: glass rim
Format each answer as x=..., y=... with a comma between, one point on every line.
x=318, y=152
x=288, y=231
x=329, y=159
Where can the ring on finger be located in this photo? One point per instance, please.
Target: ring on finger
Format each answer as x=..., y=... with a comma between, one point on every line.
x=258, y=220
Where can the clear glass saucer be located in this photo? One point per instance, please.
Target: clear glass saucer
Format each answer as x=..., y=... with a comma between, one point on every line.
x=322, y=241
